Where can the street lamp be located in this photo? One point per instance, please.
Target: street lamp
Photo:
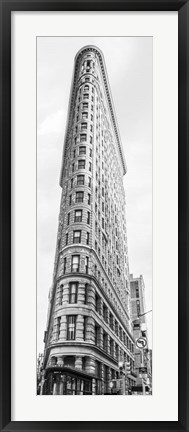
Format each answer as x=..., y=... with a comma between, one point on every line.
x=121, y=375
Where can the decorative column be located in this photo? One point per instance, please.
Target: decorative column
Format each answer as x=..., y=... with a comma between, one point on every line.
x=108, y=344
x=109, y=376
x=90, y=365
x=90, y=330
x=60, y=361
x=78, y=362
x=91, y=297
x=52, y=361
x=61, y=388
x=65, y=297
x=55, y=329
x=93, y=386
x=55, y=388
x=63, y=330
x=114, y=349
x=81, y=294
x=79, y=328
x=102, y=376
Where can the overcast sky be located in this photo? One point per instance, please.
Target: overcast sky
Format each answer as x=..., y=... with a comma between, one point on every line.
x=129, y=66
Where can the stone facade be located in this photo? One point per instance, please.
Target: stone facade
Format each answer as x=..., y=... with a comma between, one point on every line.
x=89, y=327
x=138, y=309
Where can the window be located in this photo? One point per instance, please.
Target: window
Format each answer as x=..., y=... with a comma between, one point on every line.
x=86, y=87
x=83, y=137
x=138, y=307
x=105, y=313
x=74, y=154
x=79, y=197
x=105, y=340
x=73, y=167
x=91, y=140
x=86, y=293
x=75, y=263
x=77, y=237
x=102, y=222
x=91, y=117
x=64, y=268
x=58, y=326
x=102, y=191
x=81, y=164
x=88, y=218
x=85, y=327
x=71, y=324
x=103, y=206
x=66, y=239
x=84, y=115
x=90, y=166
x=137, y=293
x=111, y=321
x=83, y=126
x=111, y=347
x=82, y=150
x=85, y=96
x=90, y=152
x=78, y=216
x=80, y=180
x=89, y=184
x=68, y=219
x=70, y=200
x=87, y=238
x=91, y=128
x=98, y=304
x=86, y=264
x=85, y=105
x=97, y=335
x=71, y=183
x=116, y=351
x=89, y=199
x=73, y=292
x=60, y=295
x=116, y=328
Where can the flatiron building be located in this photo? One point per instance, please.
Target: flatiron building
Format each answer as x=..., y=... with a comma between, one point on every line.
x=89, y=329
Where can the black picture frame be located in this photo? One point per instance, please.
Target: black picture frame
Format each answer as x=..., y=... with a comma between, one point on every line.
x=6, y=7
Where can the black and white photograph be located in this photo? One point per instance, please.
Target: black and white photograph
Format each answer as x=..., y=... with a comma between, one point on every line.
x=94, y=216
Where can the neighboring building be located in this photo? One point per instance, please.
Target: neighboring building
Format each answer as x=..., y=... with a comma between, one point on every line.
x=39, y=371
x=142, y=356
x=89, y=328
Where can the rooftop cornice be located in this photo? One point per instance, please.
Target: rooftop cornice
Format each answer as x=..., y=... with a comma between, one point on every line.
x=98, y=52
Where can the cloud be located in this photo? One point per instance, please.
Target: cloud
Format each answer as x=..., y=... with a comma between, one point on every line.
x=53, y=123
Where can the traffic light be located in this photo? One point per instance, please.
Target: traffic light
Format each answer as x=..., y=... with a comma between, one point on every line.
x=128, y=368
